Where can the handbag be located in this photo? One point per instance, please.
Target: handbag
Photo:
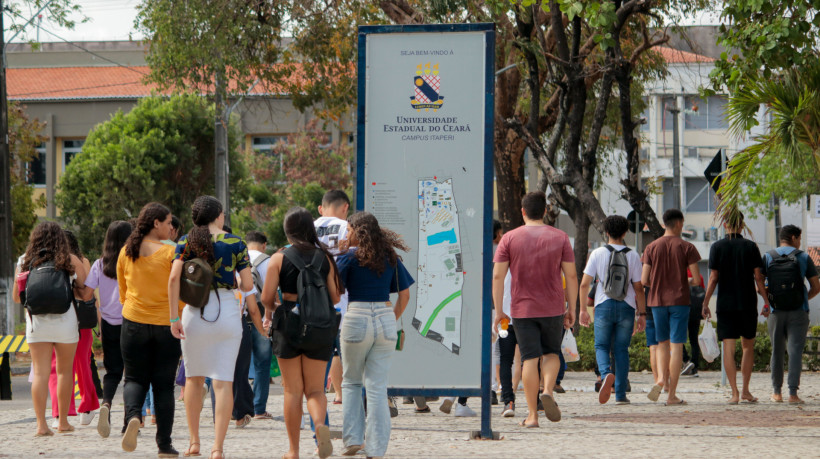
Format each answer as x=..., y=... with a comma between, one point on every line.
x=86, y=313
x=400, y=332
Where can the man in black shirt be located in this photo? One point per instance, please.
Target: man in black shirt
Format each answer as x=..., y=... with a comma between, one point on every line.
x=735, y=264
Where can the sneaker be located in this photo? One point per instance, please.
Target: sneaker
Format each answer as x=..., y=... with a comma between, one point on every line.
x=464, y=411
x=104, y=421
x=447, y=405
x=623, y=401
x=129, y=439
x=493, y=398
x=56, y=423
x=688, y=369
x=695, y=373
x=606, y=388
x=509, y=410
x=87, y=417
x=394, y=410
x=168, y=451
x=628, y=386
x=407, y=400
x=558, y=389
x=598, y=385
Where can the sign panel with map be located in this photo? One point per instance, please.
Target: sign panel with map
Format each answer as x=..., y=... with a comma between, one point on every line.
x=424, y=169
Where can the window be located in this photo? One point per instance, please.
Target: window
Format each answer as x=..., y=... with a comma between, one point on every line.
x=70, y=149
x=668, y=194
x=643, y=154
x=699, y=195
x=666, y=104
x=36, y=169
x=267, y=144
x=705, y=113
x=692, y=152
x=645, y=116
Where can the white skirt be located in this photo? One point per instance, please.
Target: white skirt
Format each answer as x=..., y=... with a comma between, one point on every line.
x=211, y=345
x=53, y=328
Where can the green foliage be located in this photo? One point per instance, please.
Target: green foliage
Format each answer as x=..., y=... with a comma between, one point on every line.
x=60, y=12
x=770, y=177
x=162, y=150
x=24, y=138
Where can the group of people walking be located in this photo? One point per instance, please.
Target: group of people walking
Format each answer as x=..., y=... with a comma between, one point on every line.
x=327, y=294
x=651, y=292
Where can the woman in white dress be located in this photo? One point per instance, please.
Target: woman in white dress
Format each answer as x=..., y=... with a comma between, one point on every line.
x=52, y=332
x=211, y=335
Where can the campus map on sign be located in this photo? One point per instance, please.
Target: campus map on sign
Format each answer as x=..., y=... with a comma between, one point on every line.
x=440, y=273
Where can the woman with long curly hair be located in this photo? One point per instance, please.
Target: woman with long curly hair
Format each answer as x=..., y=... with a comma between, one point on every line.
x=103, y=276
x=150, y=352
x=57, y=333
x=303, y=364
x=211, y=335
x=371, y=271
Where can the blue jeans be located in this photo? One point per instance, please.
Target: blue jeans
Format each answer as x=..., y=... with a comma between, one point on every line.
x=261, y=364
x=368, y=339
x=149, y=402
x=614, y=322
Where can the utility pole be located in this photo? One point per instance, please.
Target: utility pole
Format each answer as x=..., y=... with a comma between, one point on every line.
x=675, y=111
x=221, y=144
x=5, y=196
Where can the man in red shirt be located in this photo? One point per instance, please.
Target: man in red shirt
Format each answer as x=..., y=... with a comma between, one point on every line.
x=537, y=254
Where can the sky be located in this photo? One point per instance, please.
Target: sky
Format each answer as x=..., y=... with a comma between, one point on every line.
x=114, y=20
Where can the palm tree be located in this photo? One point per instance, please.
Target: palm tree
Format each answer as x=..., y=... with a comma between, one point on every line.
x=792, y=101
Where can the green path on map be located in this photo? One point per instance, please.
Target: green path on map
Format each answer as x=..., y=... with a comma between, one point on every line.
x=437, y=310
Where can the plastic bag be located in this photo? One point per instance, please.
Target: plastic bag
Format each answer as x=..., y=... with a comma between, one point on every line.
x=708, y=342
x=569, y=348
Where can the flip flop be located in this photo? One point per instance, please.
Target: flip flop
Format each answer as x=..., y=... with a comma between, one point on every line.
x=776, y=400
x=323, y=441
x=188, y=452
x=69, y=430
x=48, y=433
x=550, y=408
x=654, y=393
x=681, y=402
x=529, y=426
x=732, y=403
x=797, y=402
x=749, y=400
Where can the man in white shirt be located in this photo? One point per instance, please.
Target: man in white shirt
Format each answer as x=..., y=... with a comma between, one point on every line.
x=261, y=346
x=331, y=228
x=617, y=297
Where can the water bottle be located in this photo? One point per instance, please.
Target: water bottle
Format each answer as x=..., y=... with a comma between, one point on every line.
x=502, y=328
x=295, y=309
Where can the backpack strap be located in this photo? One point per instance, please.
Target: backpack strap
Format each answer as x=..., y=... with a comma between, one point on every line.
x=773, y=253
x=610, y=248
x=258, y=260
x=318, y=258
x=292, y=254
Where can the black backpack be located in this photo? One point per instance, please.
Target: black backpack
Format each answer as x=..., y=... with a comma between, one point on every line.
x=314, y=322
x=48, y=290
x=785, y=281
x=257, y=279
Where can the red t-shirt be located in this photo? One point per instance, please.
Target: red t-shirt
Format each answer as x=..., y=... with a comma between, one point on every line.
x=535, y=254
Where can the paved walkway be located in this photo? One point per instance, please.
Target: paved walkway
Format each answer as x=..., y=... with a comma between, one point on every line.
x=706, y=427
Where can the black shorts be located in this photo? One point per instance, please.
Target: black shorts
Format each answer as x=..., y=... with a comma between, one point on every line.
x=737, y=324
x=319, y=349
x=539, y=336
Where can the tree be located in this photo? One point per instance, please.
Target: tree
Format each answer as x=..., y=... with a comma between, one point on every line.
x=162, y=150
x=767, y=187
x=61, y=12
x=24, y=138
x=309, y=156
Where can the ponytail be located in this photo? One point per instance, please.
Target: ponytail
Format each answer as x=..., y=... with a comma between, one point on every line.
x=145, y=223
x=206, y=210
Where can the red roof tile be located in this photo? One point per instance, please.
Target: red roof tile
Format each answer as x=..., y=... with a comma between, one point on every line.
x=814, y=253
x=676, y=56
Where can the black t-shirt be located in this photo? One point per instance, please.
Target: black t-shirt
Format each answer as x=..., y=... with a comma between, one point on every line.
x=735, y=260
x=289, y=273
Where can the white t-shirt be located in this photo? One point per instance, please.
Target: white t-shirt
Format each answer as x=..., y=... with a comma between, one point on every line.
x=598, y=265
x=331, y=230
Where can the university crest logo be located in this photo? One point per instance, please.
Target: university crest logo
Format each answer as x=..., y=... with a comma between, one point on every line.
x=426, y=86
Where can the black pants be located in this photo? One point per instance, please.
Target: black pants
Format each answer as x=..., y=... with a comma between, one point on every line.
x=112, y=360
x=506, y=347
x=151, y=354
x=95, y=376
x=695, y=316
x=242, y=390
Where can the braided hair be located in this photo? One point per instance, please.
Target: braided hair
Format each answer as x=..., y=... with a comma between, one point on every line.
x=206, y=210
x=150, y=213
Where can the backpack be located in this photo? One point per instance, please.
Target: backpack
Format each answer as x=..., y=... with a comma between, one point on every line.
x=785, y=281
x=313, y=316
x=616, y=283
x=48, y=290
x=257, y=278
x=196, y=282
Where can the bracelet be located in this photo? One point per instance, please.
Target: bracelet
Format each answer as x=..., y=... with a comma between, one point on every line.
x=175, y=320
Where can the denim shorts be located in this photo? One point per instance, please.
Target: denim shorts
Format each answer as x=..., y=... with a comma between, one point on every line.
x=650, y=329
x=671, y=323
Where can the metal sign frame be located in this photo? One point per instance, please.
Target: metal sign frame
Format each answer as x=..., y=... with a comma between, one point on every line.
x=488, y=29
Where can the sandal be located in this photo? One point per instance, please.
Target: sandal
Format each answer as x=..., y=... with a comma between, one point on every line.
x=66, y=430
x=189, y=453
x=47, y=433
x=242, y=423
x=219, y=451
x=325, y=447
x=264, y=415
x=529, y=426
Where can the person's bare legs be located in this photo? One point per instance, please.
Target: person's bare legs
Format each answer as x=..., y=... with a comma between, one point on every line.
x=313, y=376
x=550, y=366
x=336, y=377
x=530, y=377
x=517, y=369
x=746, y=366
x=730, y=366
x=653, y=362
x=65, y=380
x=674, y=369
x=193, y=410
x=41, y=361
x=663, y=356
x=223, y=398
x=294, y=388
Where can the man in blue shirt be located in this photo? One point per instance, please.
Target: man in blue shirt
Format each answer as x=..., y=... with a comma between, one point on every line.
x=791, y=325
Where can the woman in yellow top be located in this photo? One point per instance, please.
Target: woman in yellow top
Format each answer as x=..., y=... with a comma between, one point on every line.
x=150, y=352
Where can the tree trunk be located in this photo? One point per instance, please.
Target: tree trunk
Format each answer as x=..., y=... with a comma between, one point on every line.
x=581, y=250
x=509, y=173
